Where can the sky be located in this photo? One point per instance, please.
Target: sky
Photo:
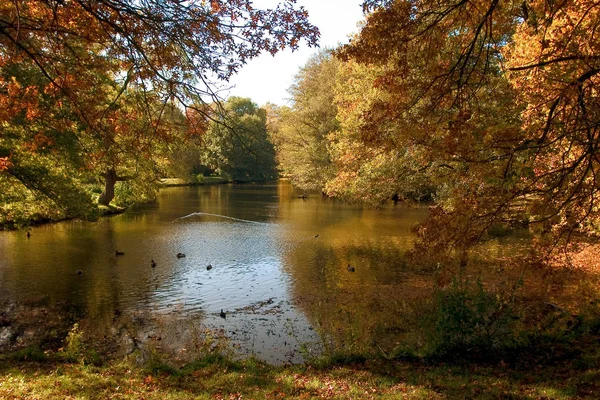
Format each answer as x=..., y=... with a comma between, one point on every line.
x=267, y=78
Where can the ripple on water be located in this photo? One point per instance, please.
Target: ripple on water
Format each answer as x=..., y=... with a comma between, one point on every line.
x=245, y=259
x=260, y=240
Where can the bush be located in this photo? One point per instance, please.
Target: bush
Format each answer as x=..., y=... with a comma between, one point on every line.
x=467, y=320
x=135, y=192
x=31, y=353
x=198, y=179
x=75, y=349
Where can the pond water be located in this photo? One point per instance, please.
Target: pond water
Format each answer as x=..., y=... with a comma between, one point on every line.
x=279, y=263
x=279, y=270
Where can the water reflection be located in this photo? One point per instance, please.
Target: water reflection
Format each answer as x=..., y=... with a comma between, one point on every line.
x=236, y=230
x=279, y=271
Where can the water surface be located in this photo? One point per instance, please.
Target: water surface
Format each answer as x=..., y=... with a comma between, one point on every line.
x=279, y=269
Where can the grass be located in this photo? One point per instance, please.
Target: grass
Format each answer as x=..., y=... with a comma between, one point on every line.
x=205, y=180
x=550, y=358
x=563, y=364
x=221, y=378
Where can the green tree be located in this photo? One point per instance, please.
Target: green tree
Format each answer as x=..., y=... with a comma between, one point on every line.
x=41, y=143
x=182, y=154
x=237, y=145
x=373, y=169
x=141, y=132
x=302, y=130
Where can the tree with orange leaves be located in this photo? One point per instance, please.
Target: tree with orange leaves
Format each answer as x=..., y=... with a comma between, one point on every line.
x=85, y=84
x=498, y=99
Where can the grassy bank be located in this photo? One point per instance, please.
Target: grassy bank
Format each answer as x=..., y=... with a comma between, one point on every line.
x=203, y=180
x=466, y=342
x=464, y=347
x=552, y=364
x=219, y=378
x=32, y=210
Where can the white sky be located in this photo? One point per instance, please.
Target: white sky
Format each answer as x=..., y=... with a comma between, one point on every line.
x=267, y=78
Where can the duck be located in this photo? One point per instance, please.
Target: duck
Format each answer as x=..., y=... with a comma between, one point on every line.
x=208, y=267
x=79, y=272
x=116, y=314
x=350, y=268
x=119, y=253
x=180, y=255
x=222, y=314
x=152, y=263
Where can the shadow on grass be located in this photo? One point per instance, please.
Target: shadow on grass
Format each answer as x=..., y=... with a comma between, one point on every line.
x=219, y=377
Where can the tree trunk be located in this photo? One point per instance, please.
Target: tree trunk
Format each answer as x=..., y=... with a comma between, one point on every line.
x=110, y=178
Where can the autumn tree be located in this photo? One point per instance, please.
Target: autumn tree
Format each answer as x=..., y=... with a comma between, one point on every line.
x=41, y=144
x=554, y=64
x=143, y=132
x=372, y=171
x=302, y=130
x=181, y=155
x=499, y=97
x=93, y=63
x=236, y=143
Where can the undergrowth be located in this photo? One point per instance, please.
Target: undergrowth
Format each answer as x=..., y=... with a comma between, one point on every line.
x=466, y=322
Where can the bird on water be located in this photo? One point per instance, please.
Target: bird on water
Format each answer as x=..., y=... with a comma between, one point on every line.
x=180, y=255
x=152, y=263
x=350, y=268
x=222, y=314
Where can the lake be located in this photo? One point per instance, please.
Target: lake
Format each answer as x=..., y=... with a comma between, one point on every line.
x=280, y=272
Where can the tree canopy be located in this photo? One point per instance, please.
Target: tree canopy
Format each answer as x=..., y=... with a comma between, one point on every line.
x=236, y=144
x=489, y=106
x=86, y=86
x=301, y=134
x=499, y=97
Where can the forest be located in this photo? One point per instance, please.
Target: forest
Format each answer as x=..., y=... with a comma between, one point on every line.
x=486, y=108
x=484, y=111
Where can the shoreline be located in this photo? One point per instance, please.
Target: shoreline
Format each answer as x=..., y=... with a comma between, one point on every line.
x=76, y=372
x=108, y=211
x=207, y=180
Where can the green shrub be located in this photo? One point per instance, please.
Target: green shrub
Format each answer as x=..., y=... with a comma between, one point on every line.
x=135, y=192
x=466, y=319
x=157, y=365
x=75, y=349
x=198, y=179
x=31, y=353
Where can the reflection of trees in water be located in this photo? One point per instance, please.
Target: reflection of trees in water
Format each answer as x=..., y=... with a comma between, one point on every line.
x=358, y=310
x=373, y=308
x=353, y=310
x=242, y=201
x=45, y=266
x=499, y=263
